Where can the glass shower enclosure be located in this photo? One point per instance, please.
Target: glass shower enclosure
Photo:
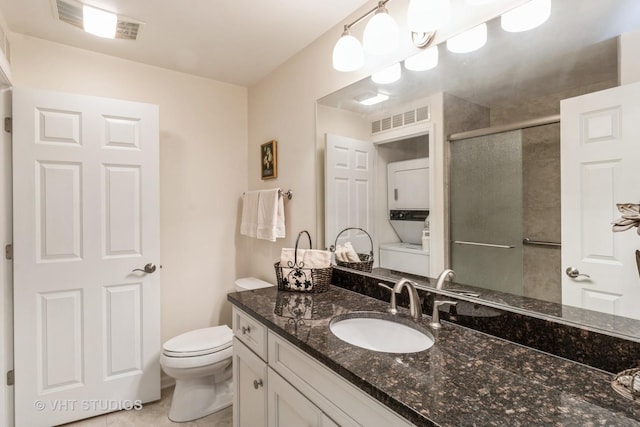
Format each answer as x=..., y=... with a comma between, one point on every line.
x=486, y=211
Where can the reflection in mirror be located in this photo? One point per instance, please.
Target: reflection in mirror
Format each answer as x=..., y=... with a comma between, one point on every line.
x=499, y=110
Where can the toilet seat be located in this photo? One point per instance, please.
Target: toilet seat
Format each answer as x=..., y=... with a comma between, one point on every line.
x=199, y=342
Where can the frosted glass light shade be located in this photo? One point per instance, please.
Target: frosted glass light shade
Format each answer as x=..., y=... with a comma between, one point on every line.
x=388, y=75
x=423, y=61
x=381, y=34
x=468, y=41
x=527, y=16
x=425, y=16
x=479, y=2
x=99, y=22
x=348, y=54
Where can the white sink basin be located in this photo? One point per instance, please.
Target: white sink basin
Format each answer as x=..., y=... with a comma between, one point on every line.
x=381, y=332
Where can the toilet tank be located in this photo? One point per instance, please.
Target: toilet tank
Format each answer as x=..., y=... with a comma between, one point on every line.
x=249, y=283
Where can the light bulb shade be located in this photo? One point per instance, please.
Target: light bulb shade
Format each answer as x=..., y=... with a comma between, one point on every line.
x=425, y=16
x=381, y=34
x=348, y=54
x=479, y=2
x=388, y=75
x=468, y=41
x=423, y=61
x=99, y=22
x=527, y=16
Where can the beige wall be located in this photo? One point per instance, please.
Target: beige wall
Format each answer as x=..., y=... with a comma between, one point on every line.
x=203, y=171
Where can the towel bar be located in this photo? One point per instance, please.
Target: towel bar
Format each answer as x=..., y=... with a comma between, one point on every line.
x=288, y=194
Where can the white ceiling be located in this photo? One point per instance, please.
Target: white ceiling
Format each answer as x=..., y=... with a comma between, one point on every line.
x=234, y=41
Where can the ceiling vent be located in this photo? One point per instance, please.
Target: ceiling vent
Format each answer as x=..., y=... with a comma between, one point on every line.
x=70, y=11
x=401, y=119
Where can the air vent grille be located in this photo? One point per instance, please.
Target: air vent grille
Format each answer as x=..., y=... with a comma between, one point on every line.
x=71, y=13
x=399, y=120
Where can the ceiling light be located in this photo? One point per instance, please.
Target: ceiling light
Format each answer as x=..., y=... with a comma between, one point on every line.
x=388, y=75
x=424, y=16
x=423, y=61
x=99, y=22
x=527, y=16
x=381, y=33
x=468, y=41
x=347, y=53
x=372, y=99
x=479, y=2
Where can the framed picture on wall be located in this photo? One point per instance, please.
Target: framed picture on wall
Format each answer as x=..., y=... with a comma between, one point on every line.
x=269, y=160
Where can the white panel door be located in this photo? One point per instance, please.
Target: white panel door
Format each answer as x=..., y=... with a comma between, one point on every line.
x=86, y=214
x=600, y=156
x=349, y=178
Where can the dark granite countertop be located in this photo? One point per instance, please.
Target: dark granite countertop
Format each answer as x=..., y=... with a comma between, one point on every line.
x=466, y=379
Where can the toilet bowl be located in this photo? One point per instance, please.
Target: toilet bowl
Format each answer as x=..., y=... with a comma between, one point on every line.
x=200, y=362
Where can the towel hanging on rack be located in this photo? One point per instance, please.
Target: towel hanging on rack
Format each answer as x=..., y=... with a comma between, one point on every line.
x=263, y=214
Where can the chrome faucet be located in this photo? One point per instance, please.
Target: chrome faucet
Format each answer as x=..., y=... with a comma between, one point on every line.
x=415, y=306
x=435, y=316
x=444, y=276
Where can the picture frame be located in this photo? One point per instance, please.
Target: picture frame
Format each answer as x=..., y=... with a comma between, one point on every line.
x=269, y=160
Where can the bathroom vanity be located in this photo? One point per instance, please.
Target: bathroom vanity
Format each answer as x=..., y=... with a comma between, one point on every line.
x=290, y=368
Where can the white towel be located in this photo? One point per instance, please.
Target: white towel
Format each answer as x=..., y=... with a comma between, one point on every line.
x=316, y=258
x=270, y=215
x=249, y=223
x=350, y=253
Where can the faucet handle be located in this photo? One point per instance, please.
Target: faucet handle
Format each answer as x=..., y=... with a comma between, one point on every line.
x=435, y=315
x=439, y=303
x=393, y=309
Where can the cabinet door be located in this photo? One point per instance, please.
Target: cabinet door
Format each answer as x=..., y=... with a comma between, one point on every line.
x=289, y=408
x=250, y=385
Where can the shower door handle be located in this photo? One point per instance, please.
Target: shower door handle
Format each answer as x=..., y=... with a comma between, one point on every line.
x=487, y=245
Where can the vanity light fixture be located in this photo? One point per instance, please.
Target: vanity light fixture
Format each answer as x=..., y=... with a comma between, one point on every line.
x=347, y=53
x=526, y=17
x=469, y=41
x=381, y=33
x=423, y=61
x=372, y=99
x=387, y=75
x=99, y=22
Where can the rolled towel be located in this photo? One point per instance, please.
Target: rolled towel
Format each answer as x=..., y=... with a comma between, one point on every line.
x=350, y=253
x=339, y=254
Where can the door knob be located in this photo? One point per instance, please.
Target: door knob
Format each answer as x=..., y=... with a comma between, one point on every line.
x=574, y=273
x=148, y=268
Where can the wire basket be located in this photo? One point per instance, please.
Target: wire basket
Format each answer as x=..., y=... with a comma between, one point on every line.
x=366, y=260
x=296, y=277
x=627, y=384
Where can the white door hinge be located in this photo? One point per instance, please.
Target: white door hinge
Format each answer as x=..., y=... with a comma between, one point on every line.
x=8, y=124
x=11, y=378
x=8, y=251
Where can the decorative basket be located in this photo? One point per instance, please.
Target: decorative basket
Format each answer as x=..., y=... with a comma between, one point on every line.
x=296, y=277
x=627, y=384
x=366, y=260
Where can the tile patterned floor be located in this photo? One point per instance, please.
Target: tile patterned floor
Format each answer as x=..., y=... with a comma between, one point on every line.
x=154, y=414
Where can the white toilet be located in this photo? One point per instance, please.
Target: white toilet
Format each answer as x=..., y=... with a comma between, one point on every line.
x=200, y=362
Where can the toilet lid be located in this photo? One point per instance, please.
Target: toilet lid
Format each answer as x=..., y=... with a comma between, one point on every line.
x=199, y=342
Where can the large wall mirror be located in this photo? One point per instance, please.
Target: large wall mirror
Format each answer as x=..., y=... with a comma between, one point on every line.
x=495, y=115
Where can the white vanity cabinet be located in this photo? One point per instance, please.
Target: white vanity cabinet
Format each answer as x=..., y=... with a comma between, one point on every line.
x=278, y=385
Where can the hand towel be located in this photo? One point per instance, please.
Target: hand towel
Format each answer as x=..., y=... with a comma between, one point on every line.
x=350, y=253
x=249, y=223
x=270, y=215
x=316, y=258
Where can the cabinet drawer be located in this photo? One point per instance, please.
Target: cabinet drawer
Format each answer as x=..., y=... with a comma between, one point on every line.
x=332, y=394
x=251, y=332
